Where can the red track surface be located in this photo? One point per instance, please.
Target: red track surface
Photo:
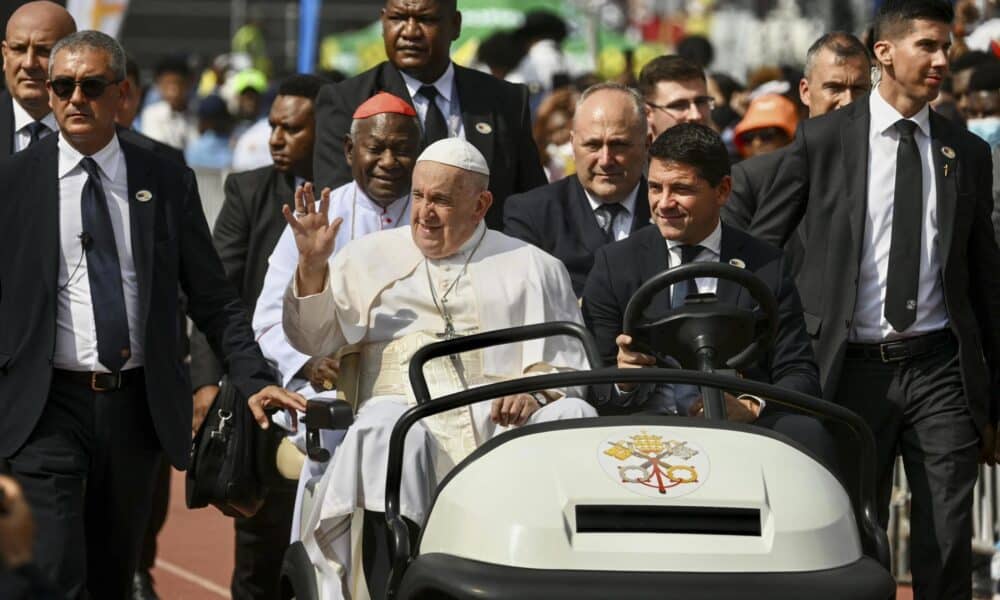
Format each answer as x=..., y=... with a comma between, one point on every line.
x=196, y=552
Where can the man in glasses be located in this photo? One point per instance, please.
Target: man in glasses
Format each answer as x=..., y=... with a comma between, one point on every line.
x=25, y=116
x=573, y=217
x=675, y=91
x=100, y=233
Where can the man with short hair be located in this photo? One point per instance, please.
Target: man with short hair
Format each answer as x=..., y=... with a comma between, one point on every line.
x=392, y=292
x=245, y=233
x=837, y=72
x=898, y=281
x=600, y=203
x=675, y=91
x=451, y=101
x=688, y=185
x=32, y=31
x=93, y=388
x=171, y=120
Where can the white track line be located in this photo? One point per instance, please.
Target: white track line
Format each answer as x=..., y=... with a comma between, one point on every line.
x=191, y=577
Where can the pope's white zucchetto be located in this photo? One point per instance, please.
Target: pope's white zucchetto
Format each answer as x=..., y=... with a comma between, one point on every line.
x=456, y=152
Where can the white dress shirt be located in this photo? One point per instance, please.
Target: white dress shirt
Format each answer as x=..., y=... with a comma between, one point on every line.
x=163, y=124
x=22, y=137
x=361, y=216
x=447, y=100
x=76, y=331
x=621, y=227
x=870, y=324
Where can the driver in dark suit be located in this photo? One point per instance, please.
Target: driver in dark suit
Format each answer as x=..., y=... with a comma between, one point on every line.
x=689, y=182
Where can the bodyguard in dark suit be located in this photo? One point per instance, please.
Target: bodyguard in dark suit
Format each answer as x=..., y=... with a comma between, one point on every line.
x=32, y=31
x=99, y=233
x=246, y=231
x=899, y=279
x=688, y=184
x=605, y=200
x=837, y=72
x=451, y=101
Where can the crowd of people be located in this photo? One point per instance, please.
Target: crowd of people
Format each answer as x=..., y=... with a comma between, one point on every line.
x=422, y=200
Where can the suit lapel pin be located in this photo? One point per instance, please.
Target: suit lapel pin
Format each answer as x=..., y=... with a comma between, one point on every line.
x=739, y=264
x=484, y=128
x=143, y=196
x=947, y=151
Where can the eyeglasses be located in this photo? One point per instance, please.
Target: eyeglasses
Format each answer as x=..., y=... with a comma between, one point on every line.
x=702, y=103
x=92, y=87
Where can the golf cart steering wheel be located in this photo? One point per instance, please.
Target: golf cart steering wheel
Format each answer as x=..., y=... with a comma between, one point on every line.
x=703, y=334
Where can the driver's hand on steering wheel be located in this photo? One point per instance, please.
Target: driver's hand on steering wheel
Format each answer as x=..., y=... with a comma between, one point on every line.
x=740, y=410
x=627, y=359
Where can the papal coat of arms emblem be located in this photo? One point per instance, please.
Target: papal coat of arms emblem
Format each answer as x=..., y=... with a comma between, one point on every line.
x=652, y=465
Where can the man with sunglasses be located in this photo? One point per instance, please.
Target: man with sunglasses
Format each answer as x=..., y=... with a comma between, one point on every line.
x=32, y=30
x=675, y=91
x=99, y=234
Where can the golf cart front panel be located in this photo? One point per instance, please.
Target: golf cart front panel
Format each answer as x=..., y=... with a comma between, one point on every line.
x=644, y=494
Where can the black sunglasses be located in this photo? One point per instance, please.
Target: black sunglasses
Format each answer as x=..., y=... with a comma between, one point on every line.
x=92, y=87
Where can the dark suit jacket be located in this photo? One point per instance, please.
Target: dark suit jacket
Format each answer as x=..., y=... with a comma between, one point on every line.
x=753, y=179
x=620, y=268
x=822, y=185
x=171, y=245
x=6, y=124
x=558, y=219
x=503, y=107
x=246, y=231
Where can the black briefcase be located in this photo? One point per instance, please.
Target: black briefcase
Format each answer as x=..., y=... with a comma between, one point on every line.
x=224, y=457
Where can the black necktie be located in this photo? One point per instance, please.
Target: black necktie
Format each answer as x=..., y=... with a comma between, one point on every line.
x=35, y=130
x=104, y=273
x=606, y=214
x=435, y=127
x=907, y=217
x=688, y=254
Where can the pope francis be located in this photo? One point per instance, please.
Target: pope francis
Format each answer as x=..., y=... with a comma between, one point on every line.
x=387, y=294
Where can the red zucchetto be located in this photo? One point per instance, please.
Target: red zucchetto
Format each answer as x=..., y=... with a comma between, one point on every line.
x=384, y=102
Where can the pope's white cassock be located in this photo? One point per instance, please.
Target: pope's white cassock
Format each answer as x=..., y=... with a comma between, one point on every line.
x=361, y=215
x=378, y=300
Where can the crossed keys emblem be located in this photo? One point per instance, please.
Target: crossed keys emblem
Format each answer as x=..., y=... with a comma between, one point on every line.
x=655, y=471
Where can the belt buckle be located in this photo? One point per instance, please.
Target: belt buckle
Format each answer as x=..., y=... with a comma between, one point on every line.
x=890, y=359
x=99, y=388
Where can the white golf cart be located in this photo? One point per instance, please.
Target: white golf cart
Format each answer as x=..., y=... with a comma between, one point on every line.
x=640, y=506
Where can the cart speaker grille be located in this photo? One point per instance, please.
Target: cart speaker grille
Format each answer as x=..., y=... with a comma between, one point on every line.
x=705, y=520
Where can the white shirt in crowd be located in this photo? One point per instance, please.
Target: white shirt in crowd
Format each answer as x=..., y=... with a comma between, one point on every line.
x=163, y=124
x=22, y=137
x=253, y=147
x=76, y=331
x=621, y=227
x=447, y=100
x=870, y=324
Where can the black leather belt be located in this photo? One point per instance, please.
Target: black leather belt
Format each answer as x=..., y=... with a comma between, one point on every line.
x=900, y=350
x=100, y=382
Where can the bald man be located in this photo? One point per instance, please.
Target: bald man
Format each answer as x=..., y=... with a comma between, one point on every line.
x=573, y=217
x=32, y=30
